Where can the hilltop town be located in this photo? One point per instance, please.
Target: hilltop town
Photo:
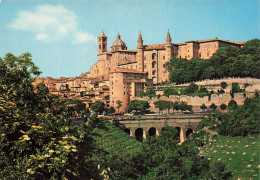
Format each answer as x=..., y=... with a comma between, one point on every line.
x=122, y=74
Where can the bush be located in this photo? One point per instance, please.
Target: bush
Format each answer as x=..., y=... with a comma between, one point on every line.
x=213, y=106
x=223, y=85
x=232, y=104
x=223, y=106
x=203, y=106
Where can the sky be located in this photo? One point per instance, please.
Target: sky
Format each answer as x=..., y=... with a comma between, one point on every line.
x=62, y=35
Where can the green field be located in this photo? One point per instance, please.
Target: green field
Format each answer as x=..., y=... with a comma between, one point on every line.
x=240, y=154
x=113, y=140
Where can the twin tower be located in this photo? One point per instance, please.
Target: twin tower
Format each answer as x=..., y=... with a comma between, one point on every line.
x=119, y=45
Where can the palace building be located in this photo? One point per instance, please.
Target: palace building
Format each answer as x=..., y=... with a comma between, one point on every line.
x=121, y=74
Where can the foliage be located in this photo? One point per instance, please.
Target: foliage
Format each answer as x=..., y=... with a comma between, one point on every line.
x=148, y=93
x=74, y=106
x=36, y=139
x=235, y=88
x=223, y=85
x=119, y=105
x=192, y=88
x=232, y=104
x=138, y=105
x=98, y=107
x=170, y=91
x=223, y=106
x=111, y=110
x=161, y=105
x=226, y=62
x=203, y=106
x=213, y=106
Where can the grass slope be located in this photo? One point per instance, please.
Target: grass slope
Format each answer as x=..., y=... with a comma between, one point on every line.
x=240, y=154
x=113, y=140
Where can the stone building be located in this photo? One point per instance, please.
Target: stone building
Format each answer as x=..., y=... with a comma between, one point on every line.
x=121, y=74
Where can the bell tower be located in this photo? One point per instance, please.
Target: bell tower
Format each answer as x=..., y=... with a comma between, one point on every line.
x=140, y=53
x=102, y=43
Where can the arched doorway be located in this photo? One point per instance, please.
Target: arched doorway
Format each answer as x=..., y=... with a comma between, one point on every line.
x=188, y=132
x=152, y=131
x=127, y=130
x=139, y=134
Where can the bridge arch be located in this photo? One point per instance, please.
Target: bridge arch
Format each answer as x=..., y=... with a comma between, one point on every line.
x=128, y=131
x=188, y=132
x=152, y=131
x=139, y=133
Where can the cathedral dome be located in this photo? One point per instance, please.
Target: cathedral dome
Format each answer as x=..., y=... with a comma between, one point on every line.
x=119, y=43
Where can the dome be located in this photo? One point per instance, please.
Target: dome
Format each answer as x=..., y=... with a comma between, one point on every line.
x=119, y=43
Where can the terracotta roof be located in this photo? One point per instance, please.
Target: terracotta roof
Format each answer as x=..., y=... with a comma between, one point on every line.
x=155, y=46
x=241, y=43
x=181, y=44
x=122, y=70
x=126, y=51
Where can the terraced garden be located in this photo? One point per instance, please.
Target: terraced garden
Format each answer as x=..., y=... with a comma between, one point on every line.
x=240, y=154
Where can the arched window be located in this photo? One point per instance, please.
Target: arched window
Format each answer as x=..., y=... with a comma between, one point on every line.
x=153, y=55
x=153, y=64
x=154, y=72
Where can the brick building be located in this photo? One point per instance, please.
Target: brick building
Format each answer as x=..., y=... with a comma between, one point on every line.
x=121, y=74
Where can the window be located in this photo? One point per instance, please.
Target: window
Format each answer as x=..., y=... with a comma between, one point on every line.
x=154, y=72
x=153, y=64
x=208, y=54
x=104, y=46
x=199, y=55
x=163, y=57
x=153, y=55
x=99, y=46
x=144, y=58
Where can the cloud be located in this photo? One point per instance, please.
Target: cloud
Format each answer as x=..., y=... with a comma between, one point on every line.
x=50, y=23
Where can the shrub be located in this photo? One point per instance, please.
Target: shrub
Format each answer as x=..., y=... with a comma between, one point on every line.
x=213, y=106
x=223, y=85
x=203, y=106
x=232, y=104
x=223, y=106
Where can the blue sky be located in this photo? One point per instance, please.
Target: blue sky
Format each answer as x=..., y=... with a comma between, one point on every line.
x=62, y=35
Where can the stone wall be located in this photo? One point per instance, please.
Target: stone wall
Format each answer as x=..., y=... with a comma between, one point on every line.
x=197, y=101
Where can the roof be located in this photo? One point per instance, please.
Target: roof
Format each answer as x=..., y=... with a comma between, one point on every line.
x=118, y=42
x=155, y=46
x=127, y=51
x=122, y=70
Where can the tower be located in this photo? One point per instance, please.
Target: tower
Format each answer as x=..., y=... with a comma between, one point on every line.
x=168, y=46
x=102, y=43
x=140, y=53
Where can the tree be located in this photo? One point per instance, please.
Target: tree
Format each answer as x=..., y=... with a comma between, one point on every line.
x=232, y=104
x=223, y=85
x=223, y=106
x=203, y=106
x=98, y=107
x=37, y=141
x=138, y=105
x=119, y=105
x=161, y=105
x=235, y=88
x=170, y=91
x=192, y=88
x=111, y=110
x=213, y=106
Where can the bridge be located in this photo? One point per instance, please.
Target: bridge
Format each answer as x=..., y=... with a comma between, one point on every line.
x=140, y=127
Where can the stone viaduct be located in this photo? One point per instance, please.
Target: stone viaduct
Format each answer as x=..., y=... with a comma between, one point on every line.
x=140, y=127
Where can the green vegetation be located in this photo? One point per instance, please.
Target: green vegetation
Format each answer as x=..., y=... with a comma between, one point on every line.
x=149, y=93
x=37, y=141
x=191, y=90
x=119, y=105
x=223, y=85
x=223, y=106
x=138, y=105
x=98, y=107
x=226, y=62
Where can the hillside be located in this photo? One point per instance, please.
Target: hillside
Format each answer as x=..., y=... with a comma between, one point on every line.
x=240, y=154
x=113, y=140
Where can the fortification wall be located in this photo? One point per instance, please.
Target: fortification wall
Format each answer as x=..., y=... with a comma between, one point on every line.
x=197, y=101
